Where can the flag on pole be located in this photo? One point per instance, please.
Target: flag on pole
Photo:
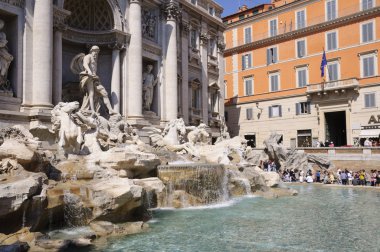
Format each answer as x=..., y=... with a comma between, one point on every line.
x=323, y=63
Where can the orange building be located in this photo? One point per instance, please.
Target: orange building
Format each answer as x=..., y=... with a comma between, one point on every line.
x=273, y=72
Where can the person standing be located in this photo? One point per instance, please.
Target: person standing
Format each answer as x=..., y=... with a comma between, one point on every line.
x=318, y=177
x=343, y=177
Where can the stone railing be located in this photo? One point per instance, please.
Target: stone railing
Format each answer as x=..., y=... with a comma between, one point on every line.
x=333, y=85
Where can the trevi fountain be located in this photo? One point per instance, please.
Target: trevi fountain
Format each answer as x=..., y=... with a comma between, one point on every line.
x=90, y=180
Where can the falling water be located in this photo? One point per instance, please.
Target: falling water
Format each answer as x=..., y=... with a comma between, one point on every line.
x=24, y=211
x=74, y=212
x=193, y=184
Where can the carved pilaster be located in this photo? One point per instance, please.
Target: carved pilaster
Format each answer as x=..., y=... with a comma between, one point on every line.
x=171, y=11
x=59, y=21
x=185, y=28
x=204, y=37
x=221, y=46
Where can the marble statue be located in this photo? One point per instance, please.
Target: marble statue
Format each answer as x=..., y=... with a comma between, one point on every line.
x=86, y=67
x=149, y=82
x=198, y=135
x=5, y=59
x=68, y=122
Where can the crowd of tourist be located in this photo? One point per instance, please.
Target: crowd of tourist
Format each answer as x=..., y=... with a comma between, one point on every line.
x=342, y=177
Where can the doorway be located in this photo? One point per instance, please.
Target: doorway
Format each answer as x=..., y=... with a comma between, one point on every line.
x=335, y=125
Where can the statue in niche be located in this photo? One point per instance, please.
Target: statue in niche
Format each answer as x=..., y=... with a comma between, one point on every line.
x=149, y=21
x=5, y=59
x=149, y=82
x=86, y=67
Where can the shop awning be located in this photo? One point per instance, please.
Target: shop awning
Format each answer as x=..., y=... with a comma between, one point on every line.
x=369, y=133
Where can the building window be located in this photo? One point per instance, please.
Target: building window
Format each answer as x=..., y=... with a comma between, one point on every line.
x=196, y=98
x=194, y=39
x=367, y=32
x=194, y=2
x=212, y=47
x=214, y=101
x=369, y=100
x=331, y=10
x=331, y=41
x=272, y=27
x=249, y=114
x=367, y=4
x=301, y=48
x=272, y=55
x=274, y=82
x=302, y=78
x=368, y=65
x=275, y=111
x=301, y=19
x=247, y=61
x=303, y=108
x=304, y=138
x=247, y=35
x=333, y=70
x=211, y=10
x=248, y=86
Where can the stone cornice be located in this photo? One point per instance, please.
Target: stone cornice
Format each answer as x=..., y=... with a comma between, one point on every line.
x=17, y=3
x=113, y=38
x=273, y=12
x=191, y=9
x=356, y=17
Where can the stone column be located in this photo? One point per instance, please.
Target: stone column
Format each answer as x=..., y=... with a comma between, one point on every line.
x=221, y=47
x=115, y=81
x=171, y=12
x=205, y=82
x=185, y=72
x=134, y=90
x=59, y=27
x=57, y=74
x=42, y=54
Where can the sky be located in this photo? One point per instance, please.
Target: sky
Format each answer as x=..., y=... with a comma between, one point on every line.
x=232, y=6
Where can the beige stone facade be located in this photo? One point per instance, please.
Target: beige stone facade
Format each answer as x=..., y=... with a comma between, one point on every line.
x=181, y=39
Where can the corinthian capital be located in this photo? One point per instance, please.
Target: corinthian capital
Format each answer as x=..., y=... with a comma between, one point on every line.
x=171, y=10
x=204, y=37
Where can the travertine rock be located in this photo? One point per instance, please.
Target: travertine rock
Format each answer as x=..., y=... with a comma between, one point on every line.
x=15, y=192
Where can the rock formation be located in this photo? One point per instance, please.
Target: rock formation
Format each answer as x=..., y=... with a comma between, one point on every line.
x=291, y=159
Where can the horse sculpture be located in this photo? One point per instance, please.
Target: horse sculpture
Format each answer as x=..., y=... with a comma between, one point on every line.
x=173, y=138
x=70, y=125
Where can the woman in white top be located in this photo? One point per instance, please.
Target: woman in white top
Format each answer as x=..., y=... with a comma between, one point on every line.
x=301, y=176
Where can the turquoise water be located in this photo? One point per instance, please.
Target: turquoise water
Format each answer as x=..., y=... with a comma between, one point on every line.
x=318, y=219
